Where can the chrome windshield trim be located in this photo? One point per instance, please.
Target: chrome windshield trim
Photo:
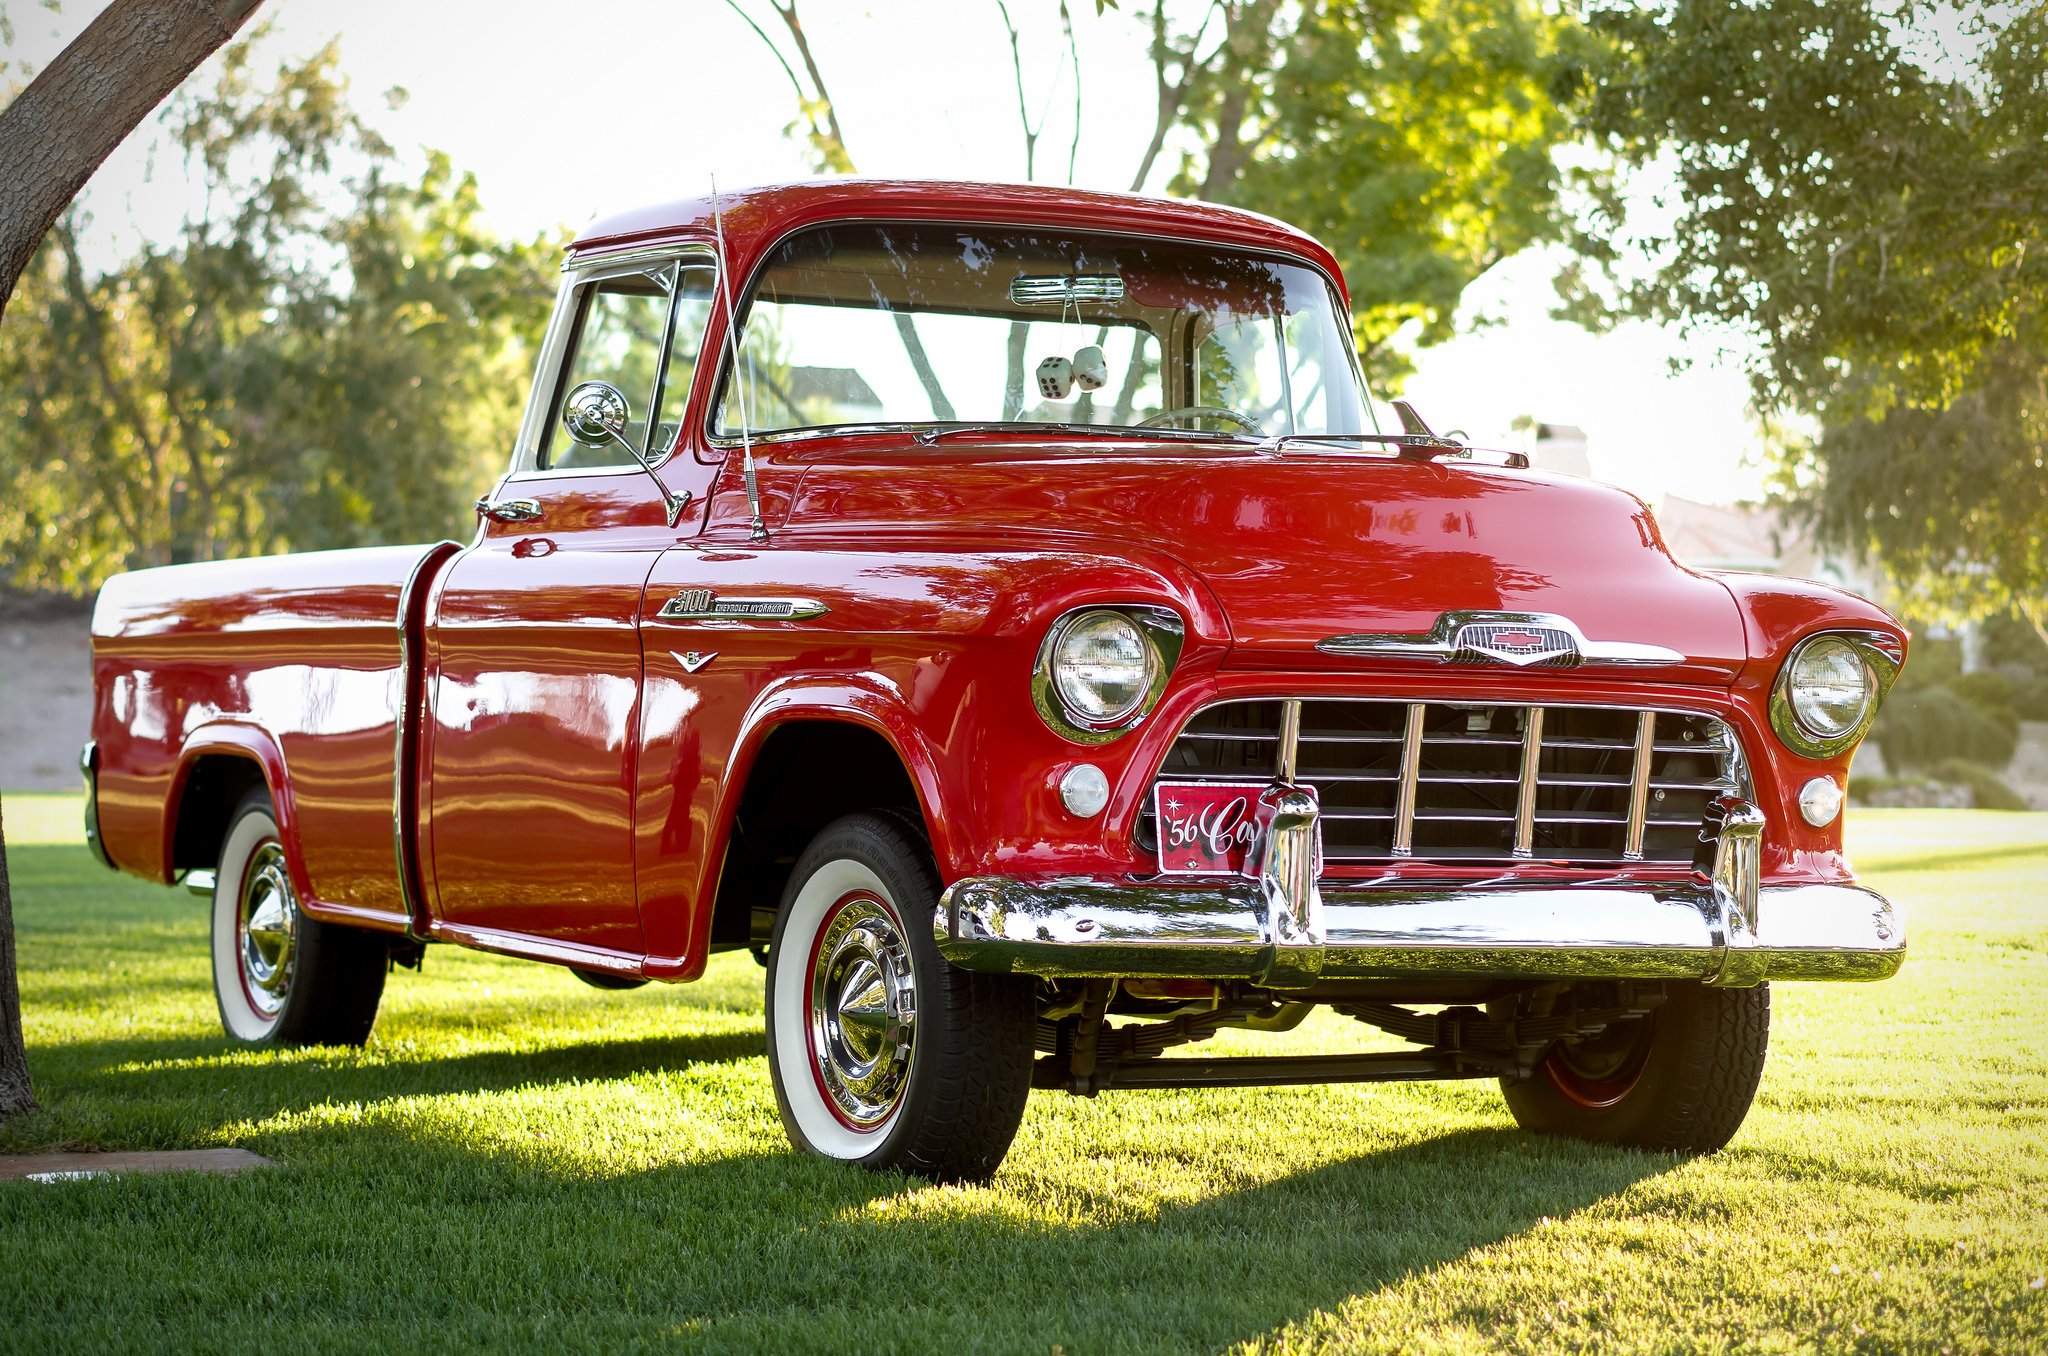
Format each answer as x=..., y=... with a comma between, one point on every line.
x=1339, y=302
x=628, y=259
x=929, y=432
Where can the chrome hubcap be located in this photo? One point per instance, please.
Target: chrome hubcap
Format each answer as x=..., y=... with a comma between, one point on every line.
x=863, y=1011
x=268, y=931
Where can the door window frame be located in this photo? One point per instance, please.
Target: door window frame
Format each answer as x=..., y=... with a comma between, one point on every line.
x=551, y=369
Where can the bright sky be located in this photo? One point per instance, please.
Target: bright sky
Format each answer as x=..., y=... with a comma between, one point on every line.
x=563, y=114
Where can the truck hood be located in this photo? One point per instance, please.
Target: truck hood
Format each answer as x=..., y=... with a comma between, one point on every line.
x=1303, y=547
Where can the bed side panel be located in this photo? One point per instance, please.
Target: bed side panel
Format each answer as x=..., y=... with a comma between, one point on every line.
x=304, y=649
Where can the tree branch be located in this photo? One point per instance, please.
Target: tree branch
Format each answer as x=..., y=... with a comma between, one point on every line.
x=1073, y=55
x=844, y=157
x=780, y=60
x=1023, y=114
x=86, y=102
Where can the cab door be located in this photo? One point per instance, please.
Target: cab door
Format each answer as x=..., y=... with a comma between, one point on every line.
x=533, y=643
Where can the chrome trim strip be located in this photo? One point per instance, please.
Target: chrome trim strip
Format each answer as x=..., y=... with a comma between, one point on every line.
x=628, y=259
x=89, y=768
x=1290, y=740
x=1089, y=928
x=405, y=770
x=1525, y=794
x=1440, y=643
x=1639, y=785
x=704, y=605
x=1411, y=772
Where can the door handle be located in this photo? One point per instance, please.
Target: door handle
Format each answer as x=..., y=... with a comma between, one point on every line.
x=509, y=510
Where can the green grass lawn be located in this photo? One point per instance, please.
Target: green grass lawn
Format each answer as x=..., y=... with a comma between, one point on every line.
x=517, y=1160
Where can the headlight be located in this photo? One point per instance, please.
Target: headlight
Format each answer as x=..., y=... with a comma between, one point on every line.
x=1830, y=686
x=1827, y=692
x=1102, y=668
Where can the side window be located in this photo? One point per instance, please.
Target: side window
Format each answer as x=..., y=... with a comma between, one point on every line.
x=620, y=327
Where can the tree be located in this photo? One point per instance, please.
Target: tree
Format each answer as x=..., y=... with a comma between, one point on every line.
x=1862, y=191
x=318, y=359
x=1415, y=137
x=17, y=1094
x=52, y=137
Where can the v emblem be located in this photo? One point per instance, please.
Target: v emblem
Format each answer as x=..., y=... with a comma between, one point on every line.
x=694, y=660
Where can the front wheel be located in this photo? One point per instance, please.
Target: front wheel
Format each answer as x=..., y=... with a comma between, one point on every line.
x=281, y=977
x=884, y=1054
x=1681, y=1077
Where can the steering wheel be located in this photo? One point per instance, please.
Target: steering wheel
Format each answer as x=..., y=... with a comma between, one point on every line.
x=1165, y=417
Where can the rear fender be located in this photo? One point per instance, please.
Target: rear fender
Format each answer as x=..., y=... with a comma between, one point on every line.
x=255, y=744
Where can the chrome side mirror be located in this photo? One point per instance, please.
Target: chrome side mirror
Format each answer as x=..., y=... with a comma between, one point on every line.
x=596, y=413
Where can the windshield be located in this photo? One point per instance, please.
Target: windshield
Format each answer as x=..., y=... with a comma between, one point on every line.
x=861, y=324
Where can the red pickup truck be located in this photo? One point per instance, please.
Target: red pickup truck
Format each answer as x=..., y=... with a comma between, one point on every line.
x=1004, y=611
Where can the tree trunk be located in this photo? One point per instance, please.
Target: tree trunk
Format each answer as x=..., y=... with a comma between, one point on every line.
x=16, y=1094
x=52, y=137
x=87, y=101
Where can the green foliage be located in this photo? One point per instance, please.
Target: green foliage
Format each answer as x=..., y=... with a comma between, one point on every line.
x=329, y=353
x=1414, y=138
x=1921, y=727
x=1987, y=791
x=1862, y=189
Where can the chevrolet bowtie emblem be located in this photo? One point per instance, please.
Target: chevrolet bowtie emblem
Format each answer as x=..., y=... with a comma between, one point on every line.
x=693, y=660
x=1518, y=640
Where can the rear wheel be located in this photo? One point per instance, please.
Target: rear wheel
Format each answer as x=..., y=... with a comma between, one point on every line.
x=884, y=1054
x=279, y=976
x=1681, y=1077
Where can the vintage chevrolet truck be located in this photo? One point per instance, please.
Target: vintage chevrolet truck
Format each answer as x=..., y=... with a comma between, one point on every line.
x=1003, y=610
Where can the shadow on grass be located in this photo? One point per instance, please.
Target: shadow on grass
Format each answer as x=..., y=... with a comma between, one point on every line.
x=409, y=1238
x=141, y=1093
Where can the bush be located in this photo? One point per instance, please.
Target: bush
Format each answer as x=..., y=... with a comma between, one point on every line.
x=1987, y=792
x=1990, y=692
x=1920, y=727
x=2030, y=698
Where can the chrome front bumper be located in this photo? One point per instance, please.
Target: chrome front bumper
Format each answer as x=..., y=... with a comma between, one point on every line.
x=1282, y=930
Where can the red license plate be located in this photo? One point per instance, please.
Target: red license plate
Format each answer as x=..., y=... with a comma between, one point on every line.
x=1211, y=828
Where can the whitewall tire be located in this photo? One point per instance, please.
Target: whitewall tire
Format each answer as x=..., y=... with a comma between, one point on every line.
x=281, y=977
x=882, y=1053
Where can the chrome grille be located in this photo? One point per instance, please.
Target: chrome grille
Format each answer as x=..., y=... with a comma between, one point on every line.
x=1472, y=781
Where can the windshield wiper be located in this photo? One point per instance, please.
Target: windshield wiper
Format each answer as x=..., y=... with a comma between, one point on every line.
x=931, y=433
x=1407, y=446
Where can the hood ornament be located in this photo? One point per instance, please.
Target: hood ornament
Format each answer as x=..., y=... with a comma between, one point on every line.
x=1524, y=639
